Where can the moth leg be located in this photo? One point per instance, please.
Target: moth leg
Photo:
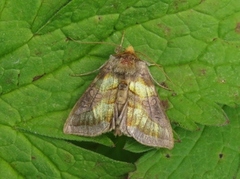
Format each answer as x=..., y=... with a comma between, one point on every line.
x=91, y=72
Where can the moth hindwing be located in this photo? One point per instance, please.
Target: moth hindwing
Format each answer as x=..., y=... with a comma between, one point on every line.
x=122, y=98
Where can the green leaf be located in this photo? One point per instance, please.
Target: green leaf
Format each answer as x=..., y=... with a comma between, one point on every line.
x=195, y=42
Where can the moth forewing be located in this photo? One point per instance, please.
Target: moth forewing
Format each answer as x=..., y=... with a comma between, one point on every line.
x=122, y=97
x=146, y=119
x=92, y=114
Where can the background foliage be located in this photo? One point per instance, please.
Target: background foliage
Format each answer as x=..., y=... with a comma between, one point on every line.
x=196, y=43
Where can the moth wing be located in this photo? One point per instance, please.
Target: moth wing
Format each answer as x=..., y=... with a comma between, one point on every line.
x=93, y=113
x=145, y=117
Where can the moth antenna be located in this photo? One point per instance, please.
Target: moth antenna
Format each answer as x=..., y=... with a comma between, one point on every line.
x=91, y=72
x=106, y=43
x=119, y=47
x=84, y=74
x=88, y=73
x=123, y=35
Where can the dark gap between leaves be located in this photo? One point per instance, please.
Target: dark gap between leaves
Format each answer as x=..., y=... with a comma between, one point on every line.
x=117, y=152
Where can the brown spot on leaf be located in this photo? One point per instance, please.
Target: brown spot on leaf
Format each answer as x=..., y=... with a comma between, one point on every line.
x=202, y=72
x=38, y=77
x=168, y=156
x=237, y=28
x=100, y=18
x=38, y=52
x=220, y=155
x=165, y=29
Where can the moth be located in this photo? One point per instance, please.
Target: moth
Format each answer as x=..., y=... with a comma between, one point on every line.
x=122, y=98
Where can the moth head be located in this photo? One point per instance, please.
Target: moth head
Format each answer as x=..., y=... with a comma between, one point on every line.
x=130, y=49
x=126, y=61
